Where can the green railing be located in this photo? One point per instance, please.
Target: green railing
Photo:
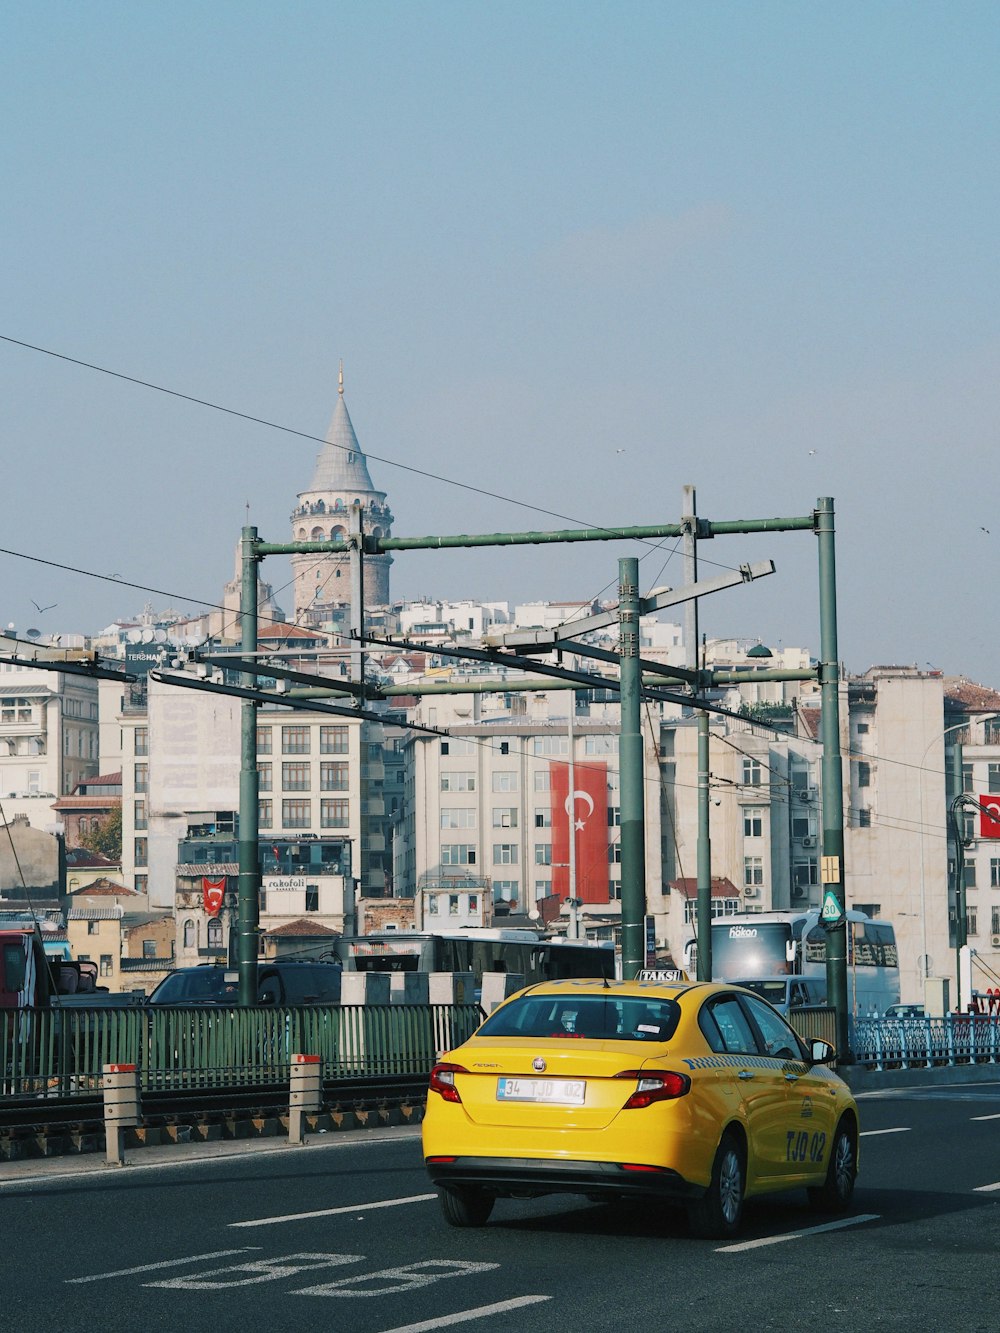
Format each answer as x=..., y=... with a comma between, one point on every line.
x=59, y=1053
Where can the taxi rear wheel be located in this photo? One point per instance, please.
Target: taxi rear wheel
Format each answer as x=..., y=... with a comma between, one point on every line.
x=719, y=1213
x=466, y=1206
x=837, y=1190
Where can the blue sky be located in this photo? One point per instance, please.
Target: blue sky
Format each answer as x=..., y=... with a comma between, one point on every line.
x=752, y=246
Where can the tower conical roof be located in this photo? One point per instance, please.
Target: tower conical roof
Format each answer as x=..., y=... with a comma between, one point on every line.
x=340, y=464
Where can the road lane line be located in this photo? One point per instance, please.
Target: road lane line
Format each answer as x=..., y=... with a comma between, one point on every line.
x=868, y=1133
x=798, y=1235
x=464, y=1316
x=165, y=1263
x=986, y=1189
x=985, y=1117
x=332, y=1212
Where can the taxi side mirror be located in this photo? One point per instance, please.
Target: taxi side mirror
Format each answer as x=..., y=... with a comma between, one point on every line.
x=821, y=1052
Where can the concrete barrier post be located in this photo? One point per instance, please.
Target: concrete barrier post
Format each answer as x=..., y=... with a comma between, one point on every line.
x=121, y=1107
x=408, y=988
x=499, y=986
x=305, y=1094
x=447, y=989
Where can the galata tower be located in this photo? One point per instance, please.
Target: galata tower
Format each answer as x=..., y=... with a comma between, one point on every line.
x=340, y=484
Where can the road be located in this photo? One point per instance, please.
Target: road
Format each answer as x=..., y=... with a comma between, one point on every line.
x=346, y=1233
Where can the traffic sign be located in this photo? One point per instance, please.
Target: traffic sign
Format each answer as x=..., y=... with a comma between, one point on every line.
x=832, y=910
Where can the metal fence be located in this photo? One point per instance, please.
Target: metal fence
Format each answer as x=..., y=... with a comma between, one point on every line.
x=922, y=1043
x=59, y=1053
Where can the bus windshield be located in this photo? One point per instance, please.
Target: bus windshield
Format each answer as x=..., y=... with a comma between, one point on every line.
x=750, y=951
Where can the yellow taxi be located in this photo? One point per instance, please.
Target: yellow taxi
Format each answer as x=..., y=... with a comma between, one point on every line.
x=688, y=1091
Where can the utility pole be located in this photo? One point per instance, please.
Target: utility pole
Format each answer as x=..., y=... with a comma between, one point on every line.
x=689, y=522
x=248, y=895
x=631, y=774
x=574, y=903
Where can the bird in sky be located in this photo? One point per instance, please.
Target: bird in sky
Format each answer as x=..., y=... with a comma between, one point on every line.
x=986, y=530
x=40, y=609
x=811, y=452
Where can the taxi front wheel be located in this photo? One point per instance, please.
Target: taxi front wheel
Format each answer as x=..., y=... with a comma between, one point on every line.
x=837, y=1190
x=466, y=1207
x=719, y=1213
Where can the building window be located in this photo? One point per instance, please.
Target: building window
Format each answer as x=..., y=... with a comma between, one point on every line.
x=215, y=933
x=432, y=904
x=334, y=812
x=333, y=776
x=614, y=853
x=995, y=872
x=600, y=745
x=453, y=904
x=140, y=851
x=967, y=778
x=543, y=853
x=142, y=777
x=263, y=740
x=970, y=874
x=141, y=740
x=457, y=816
x=473, y=904
x=296, y=813
x=805, y=874
x=995, y=920
x=333, y=740
x=545, y=745
x=505, y=853
x=263, y=777
x=505, y=816
x=139, y=814
x=140, y=883
x=864, y=817
x=543, y=818
x=106, y=967
x=458, y=854
x=264, y=815
x=189, y=935
x=993, y=777
x=93, y=927
x=295, y=776
x=541, y=781
x=294, y=740
x=505, y=890
x=753, y=872
x=614, y=816
x=543, y=888
x=505, y=780
x=864, y=774
x=751, y=772
x=458, y=782
x=971, y=921
x=753, y=822
x=862, y=728
x=312, y=897
x=149, y=948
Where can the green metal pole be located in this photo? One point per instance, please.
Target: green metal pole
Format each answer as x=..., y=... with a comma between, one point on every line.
x=832, y=866
x=704, y=857
x=633, y=833
x=248, y=900
x=958, y=865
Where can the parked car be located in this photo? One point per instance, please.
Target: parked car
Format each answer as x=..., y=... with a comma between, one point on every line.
x=278, y=983
x=631, y=1089
x=905, y=1011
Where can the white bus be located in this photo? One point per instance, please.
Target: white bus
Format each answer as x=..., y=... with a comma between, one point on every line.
x=477, y=950
x=766, y=946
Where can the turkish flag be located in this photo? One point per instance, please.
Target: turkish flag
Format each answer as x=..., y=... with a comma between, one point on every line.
x=989, y=823
x=585, y=811
x=213, y=891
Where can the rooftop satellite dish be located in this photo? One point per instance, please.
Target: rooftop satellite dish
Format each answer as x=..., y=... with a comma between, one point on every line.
x=133, y=636
x=534, y=915
x=147, y=635
x=160, y=635
x=32, y=633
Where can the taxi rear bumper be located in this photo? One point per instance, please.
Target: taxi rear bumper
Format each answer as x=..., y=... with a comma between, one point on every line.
x=530, y=1177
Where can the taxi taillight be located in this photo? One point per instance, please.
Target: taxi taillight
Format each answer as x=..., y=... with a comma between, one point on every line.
x=443, y=1081
x=660, y=1085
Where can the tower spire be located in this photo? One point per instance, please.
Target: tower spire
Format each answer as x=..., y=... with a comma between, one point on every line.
x=340, y=383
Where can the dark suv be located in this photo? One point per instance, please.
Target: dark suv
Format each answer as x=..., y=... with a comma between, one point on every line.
x=278, y=983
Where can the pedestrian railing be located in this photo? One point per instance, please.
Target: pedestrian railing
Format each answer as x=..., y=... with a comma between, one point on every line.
x=922, y=1043
x=59, y=1053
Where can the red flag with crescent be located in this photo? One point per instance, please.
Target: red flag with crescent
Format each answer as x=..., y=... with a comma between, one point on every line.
x=585, y=811
x=989, y=816
x=213, y=891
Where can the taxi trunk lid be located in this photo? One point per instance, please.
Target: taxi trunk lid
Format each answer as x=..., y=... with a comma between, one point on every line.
x=519, y=1082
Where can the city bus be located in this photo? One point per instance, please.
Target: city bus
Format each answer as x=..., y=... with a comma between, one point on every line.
x=477, y=950
x=758, y=946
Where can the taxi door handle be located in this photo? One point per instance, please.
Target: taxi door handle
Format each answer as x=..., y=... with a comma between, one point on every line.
x=745, y=1073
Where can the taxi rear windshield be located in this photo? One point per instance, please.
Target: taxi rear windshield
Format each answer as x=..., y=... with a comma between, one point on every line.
x=599, y=1017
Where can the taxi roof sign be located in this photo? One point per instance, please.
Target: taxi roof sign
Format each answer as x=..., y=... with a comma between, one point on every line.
x=661, y=974
x=832, y=910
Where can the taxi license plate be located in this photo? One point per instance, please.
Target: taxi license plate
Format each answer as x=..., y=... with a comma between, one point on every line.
x=561, y=1091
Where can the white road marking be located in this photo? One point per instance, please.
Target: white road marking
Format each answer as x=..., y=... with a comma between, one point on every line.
x=869, y=1133
x=166, y=1263
x=465, y=1316
x=332, y=1212
x=394, y=1281
x=986, y=1189
x=798, y=1235
x=985, y=1117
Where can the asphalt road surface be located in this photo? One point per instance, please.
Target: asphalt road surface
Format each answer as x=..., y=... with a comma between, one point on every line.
x=346, y=1233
